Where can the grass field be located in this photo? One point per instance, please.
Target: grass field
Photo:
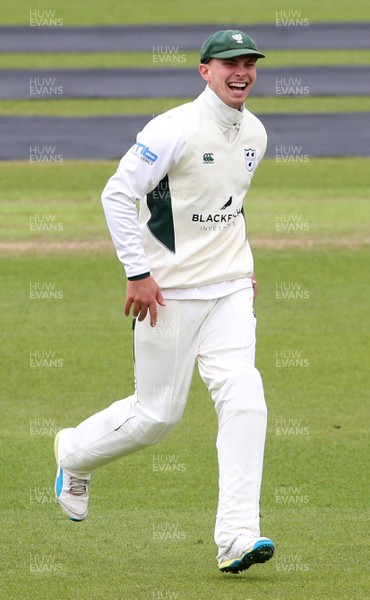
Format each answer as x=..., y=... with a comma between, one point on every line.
x=100, y=60
x=192, y=11
x=146, y=106
x=329, y=194
x=313, y=499
x=309, y=228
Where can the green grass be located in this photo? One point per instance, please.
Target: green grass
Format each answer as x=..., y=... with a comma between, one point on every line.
x=82, y=181
x=113, y=554
x=97, y=60
x=329, y=198
x=150, y=106
x=141, y=11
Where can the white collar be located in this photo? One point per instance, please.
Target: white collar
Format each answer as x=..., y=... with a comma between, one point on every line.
x=225, y=115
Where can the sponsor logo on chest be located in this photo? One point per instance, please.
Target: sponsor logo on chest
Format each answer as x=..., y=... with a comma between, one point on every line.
x=223, y=219
x=250, y=158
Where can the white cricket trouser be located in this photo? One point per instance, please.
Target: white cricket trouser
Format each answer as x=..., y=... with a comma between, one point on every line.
x=220, y=335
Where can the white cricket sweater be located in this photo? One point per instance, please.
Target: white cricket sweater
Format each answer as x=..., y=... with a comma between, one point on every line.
x=191, y=182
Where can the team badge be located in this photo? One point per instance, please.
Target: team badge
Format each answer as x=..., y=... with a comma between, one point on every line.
x=238, y=38
x=250, y=158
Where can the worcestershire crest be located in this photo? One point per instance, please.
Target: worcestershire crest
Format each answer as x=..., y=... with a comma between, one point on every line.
x=250, y=158
x=238, y=38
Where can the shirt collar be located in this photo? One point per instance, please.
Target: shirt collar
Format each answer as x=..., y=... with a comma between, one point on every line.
x=225, y=115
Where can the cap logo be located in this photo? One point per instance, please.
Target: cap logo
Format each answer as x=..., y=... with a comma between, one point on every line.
x=238, y=37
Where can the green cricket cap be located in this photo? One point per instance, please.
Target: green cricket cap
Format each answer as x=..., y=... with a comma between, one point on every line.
x=227, y=44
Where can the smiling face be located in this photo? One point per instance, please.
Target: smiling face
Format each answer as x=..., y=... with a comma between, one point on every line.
x=230, y=78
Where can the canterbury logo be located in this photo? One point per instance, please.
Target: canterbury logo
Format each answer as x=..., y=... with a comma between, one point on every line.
x=228, y=203
x=208, y=157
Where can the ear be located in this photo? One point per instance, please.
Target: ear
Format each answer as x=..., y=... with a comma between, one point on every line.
x=204, y=72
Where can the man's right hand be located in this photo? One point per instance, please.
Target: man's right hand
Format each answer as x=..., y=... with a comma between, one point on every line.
x=143, y=294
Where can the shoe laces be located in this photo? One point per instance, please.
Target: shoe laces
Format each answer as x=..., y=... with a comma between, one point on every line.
x=78, y=487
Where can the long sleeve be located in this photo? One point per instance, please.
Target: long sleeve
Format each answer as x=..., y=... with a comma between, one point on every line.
x=159, y=147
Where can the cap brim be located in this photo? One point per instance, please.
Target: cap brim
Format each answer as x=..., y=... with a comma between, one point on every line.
x=237, y=52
